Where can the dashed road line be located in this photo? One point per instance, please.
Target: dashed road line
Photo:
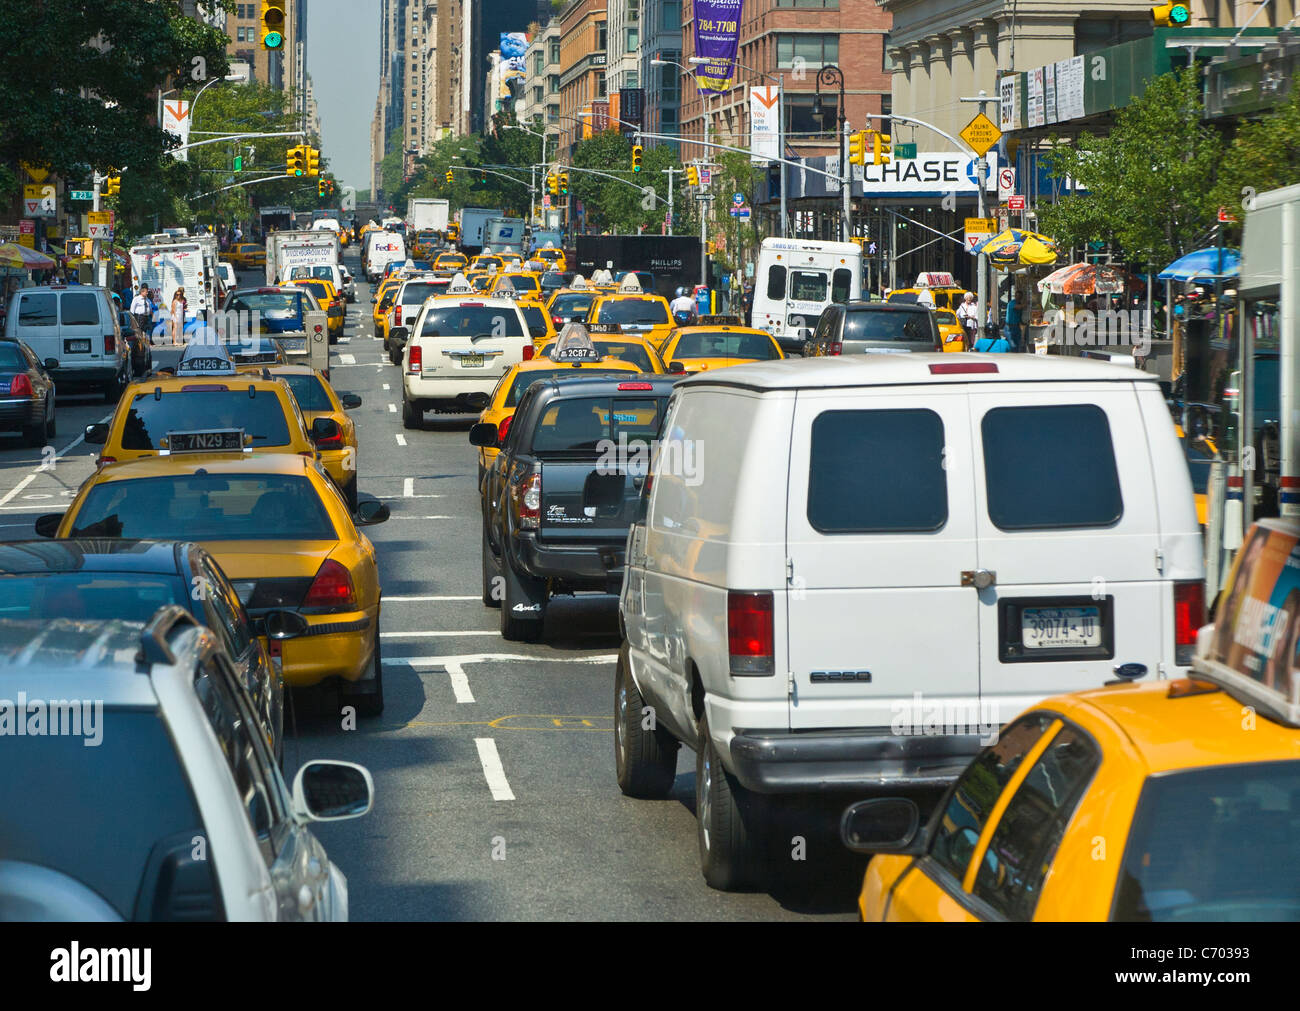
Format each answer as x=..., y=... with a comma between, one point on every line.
x=459, y=683
x=32, y=476
x=392, y=408
x=401, y=439
x=413, y=600
x=493, y=771
x=347, y=359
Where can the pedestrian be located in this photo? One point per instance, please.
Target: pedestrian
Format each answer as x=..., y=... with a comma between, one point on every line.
x=178, y=316
x=239, y=234
x=968, y=315
x=1012, y=320
x=142, y=309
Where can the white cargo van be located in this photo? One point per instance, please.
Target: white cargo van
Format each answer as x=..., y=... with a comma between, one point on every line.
x=796, y=279
x=381, y=249
x=852, y=572
x=75, y=331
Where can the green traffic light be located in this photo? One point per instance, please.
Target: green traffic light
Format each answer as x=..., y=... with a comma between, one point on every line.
x=274, y=40
x=1180, y=15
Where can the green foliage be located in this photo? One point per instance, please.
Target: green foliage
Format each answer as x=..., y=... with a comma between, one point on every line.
x=1146, y=181
x=1264, y=155
x=77, y=84
x=623, y=207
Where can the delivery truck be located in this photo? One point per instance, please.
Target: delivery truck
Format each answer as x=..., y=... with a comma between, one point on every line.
x=427, y=214
x=473, y=225
x=299, y=248
x=165, y=263
x=504, y=234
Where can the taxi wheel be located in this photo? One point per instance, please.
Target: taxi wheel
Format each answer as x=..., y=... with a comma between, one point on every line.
x=726, y=822
x=371, y=702
x=645, y=761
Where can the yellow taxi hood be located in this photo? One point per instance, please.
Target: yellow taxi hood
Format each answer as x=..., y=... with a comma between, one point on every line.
x=256, y=559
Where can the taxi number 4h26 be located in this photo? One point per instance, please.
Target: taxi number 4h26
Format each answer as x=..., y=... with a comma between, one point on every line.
x=1056, y=627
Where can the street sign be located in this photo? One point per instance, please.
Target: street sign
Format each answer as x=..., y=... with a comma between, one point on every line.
x=38, y=174
x=39, y=200
x=101, y=225
x=981, y=133
x=1006, y=182
x=740, y=212
x=979, y=229
x=1015, y=203
x=27, y=234
x=705, y=176
x=81, y=195
x=904, y=152
x=738, y=199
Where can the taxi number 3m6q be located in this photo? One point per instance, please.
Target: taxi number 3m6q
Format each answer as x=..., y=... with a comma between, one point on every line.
x=1060, y=627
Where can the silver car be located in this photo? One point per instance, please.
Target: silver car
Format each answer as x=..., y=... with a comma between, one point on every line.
x=874, y=327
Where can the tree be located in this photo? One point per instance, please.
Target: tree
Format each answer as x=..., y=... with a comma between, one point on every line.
x=1148, y=182
x=78, y=79
x=1264, y=155
x=641, y=201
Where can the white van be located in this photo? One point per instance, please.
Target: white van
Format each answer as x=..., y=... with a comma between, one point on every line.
x=76, y=332
x=796, y=279
x=382, y=248
x=852, y=572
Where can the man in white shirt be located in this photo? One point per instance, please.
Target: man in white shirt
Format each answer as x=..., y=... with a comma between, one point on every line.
x=682, y=303
x=141, y=309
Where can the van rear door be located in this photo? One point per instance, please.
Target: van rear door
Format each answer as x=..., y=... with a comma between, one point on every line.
x=83, y=331
x=1068, y=540
x=879, y=530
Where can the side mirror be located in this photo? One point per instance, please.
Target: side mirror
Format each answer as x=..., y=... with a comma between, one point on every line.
x=51, y=363
x=284, y=624
x=370, y=512
x=327, y=790
x=325, y=430
x=96, y=434
x=883, y=825
x=676, y=367
x=483, y=434
x=349, y=401
x=398, y=334
x=603, y=491
x=373, y=300
x=48, y=525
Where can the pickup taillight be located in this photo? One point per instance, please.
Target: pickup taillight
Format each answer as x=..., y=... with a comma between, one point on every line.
x=415, y=364
x=750, y=635
x=1189, y=616
x=397, y=315
x=528, y=501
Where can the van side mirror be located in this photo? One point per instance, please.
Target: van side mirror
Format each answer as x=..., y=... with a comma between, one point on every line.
x=48, y=525
x=327, y=790
x=883, y=825
x=483, y=435
x=96, y=434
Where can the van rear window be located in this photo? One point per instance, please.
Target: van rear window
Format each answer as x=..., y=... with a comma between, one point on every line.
x=80, y=308
x=1050, y=468
x=855, y=454
x=38, y=309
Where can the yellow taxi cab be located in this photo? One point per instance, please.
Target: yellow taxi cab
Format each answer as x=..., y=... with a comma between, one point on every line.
x=634, y=310
x=572, y=353
x=424, y=243
x=611, y=342
x=527, y=286
x=714, y=342
x=337, y=444
x=207, y=391
x=326, y=295
x=345, y=236
x=511, y=261
x=383, y=299
x=246, y=255
x=553, y=258
x=451, y=261
x=479, y=280
x=279, y=529
x=486, y=261
x=570, y=304
x=1200, y=451
x=541, y=327
x=950, y=331
x=938, y=289
x=453, y=231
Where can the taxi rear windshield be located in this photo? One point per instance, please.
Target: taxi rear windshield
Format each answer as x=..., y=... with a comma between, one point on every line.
x=520, y=282
x=571, y=305
x=724, y=345
x=151, y=417
x=630, y=352
x=633, y=310
x=1212, y=844
x=207, y=507
x=587, y=425
x=471, y=321
x=309, y=392
x=888, y=325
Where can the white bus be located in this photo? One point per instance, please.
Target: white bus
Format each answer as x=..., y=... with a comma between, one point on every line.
x=796, y=279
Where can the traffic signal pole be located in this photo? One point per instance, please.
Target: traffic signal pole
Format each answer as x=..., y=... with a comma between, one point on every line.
x=97, y=252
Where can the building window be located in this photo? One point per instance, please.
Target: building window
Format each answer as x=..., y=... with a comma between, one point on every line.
x=810, y=50
x=886, y=105
x=669, y=85
x=553, y=56
x=553, y=83
x=602, y=87
x=601, y=37
x=634, y=10
x=537, y=94
x=670, y=18
x=799, y=120
x=631, y=38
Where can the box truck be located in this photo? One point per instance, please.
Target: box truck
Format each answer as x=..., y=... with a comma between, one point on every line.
x=299, y=248
x=427, y=214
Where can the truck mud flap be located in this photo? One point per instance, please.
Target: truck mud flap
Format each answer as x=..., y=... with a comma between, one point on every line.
x=526, y=596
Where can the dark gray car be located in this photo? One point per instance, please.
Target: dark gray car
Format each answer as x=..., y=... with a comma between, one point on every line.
x=858, y=327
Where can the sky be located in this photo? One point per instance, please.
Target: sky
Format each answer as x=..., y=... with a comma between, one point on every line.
x=343, y=60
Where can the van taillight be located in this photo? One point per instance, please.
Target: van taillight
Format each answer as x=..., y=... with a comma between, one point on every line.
x=528, y=501
x=749, y=632
x=110, y=343
x=1189, y=616
x=417, y=357
x=835, y=348
x=332, y=588
x=529, y=351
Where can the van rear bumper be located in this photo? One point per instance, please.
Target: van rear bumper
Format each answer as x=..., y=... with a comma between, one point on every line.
x=86, y=375
x=831, y=761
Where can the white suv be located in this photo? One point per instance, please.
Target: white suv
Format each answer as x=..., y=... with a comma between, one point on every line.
x=852, y=572
x=456, y=350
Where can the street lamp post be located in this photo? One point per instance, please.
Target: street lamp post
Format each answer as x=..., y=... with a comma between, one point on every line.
x=832, y=75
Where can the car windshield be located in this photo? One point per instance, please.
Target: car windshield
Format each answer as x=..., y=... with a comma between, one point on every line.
x=633, y=310
x=1207, y=844
x=573, y=305
x=88, y=595
x=309, y=391
x=206, y=507
x=471, y=321
x=208, y=407
x=278, y=311
x=579, y=427
x=888, y=325
x=702, y=344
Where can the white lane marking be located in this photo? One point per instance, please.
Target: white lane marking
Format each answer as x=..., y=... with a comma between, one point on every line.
x=347, y=359
x=408, y=487
x=439, y=635
x=459, y=683
x=492, y=769
x=32, y=476
x=464, y=659
x=392, y=408
x=387, y=387
x=401, y=439
x=412, y=600
x=18, y=487
x=425, y=517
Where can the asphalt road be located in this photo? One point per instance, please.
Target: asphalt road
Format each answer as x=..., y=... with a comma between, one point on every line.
x=493, y=762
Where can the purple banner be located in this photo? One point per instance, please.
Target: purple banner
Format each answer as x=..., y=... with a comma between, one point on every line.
x=717, y=33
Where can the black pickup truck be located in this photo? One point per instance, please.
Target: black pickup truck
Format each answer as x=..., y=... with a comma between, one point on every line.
x=563, y=491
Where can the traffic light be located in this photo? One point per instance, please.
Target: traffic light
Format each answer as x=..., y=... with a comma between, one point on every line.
x=564, y=184
x=692, y=175
x=1171, y=15
x=112, y=186
x=636, y=157
x=858, y=147
x=313, y=161
x=553, y=184
x=449, y=176
x=881, y=148
x=272, y=21
x=320, y=187
x=295, y=160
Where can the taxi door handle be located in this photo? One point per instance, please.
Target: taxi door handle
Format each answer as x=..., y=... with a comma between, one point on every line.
x=981, y=579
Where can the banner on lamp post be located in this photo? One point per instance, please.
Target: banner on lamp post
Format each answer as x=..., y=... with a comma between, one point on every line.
x=176, y=121
x=717, y=34
x=765, y=124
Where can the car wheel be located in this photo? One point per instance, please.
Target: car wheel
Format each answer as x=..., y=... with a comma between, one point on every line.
x=726, y=821
x=521, y=629
x=491, y=573
x=370, y=699
x=411, y=418
x=51, y=426
x=645, y=761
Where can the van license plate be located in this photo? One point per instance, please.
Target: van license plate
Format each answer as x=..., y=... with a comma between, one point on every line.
x=470, y=361
x=1060, y=627
x=75, y=347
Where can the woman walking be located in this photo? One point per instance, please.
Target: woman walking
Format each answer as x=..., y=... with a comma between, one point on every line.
x=178, y=316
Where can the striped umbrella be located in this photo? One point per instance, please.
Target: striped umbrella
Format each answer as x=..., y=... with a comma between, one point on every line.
x=1085, y=279
x=1016, y=247
x=21, y=258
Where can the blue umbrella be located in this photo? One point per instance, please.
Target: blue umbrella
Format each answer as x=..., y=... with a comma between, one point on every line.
x=1203, y=265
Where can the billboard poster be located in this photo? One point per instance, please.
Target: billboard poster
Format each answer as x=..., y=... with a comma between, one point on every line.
x=717, y=33
x=631, y=109
x=513, y=47
x=765, y=126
